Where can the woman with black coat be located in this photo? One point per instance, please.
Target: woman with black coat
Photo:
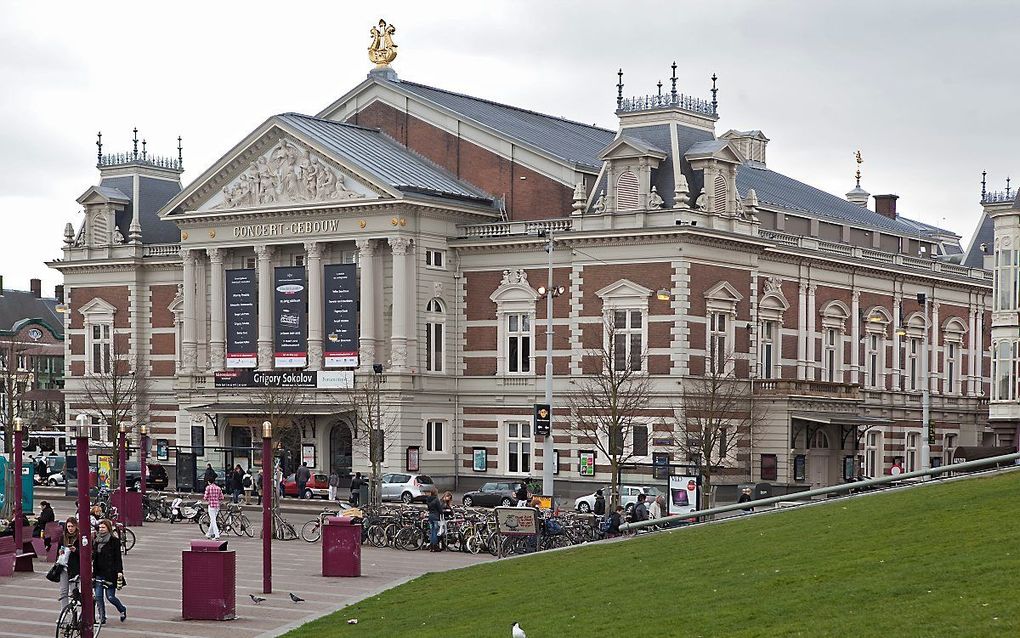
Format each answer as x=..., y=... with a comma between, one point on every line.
x=107, y=569
x=70, y=544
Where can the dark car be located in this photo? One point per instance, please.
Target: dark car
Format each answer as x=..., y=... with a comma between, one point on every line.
x=155, y=479
x=491, y=495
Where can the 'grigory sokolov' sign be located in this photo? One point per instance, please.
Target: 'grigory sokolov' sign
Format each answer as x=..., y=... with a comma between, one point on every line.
x=315, y=227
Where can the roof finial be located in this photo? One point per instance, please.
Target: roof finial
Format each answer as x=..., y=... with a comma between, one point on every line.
x=984, y=185
x=382, y=51
x=673, y=82
x=660, y=88
x=860, y=160
x=180, y=154
x=715, y=91
x=143, y=150
x=619, y=89
x=99, y=145
x=1007, y=187
x=134, y=153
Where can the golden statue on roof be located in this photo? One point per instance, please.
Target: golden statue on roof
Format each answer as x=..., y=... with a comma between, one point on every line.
x=382, y=51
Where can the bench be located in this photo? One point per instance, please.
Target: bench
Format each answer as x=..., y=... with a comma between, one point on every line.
x=12, y=560
x=52, y=531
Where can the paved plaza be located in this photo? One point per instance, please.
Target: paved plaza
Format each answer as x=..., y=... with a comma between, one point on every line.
x=153, y=594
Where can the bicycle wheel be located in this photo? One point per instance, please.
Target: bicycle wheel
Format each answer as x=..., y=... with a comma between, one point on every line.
x=246, y=527
x=127, y=540
x=311, y=531
x=377, y=536
x=404, y=539
x=203, y=522
x=68, y=624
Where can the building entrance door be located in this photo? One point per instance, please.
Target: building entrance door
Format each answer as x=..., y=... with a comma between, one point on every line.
x=341, y=449
x=819, y=460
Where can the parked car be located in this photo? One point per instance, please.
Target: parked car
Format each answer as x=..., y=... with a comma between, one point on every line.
x=491, y=495
x=407, y=488
x=628, y=496
x=318, y=485
x=58, y=478
x=155, y=478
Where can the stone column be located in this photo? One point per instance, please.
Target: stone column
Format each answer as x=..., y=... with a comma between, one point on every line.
x=189, y=347
x=802, y=332
x=812, y=340
x=369, y=303
x=896, y=363
x=313, y=263
x=265, y=275
x=855, y=338
x=400, y=247
x=973, y=353
x=217, y=329
x=980, y=352
x=933, y=343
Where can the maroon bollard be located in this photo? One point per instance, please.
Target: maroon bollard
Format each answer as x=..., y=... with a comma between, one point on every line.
x=341, y=546
x=208, y=581
x=129, y=507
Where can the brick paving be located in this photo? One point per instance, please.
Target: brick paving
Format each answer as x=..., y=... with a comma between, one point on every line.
x=29, y=607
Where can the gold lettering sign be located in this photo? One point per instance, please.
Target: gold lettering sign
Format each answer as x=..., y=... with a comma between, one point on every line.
x=317, y=227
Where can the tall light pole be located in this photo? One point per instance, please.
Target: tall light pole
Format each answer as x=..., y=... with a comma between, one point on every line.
x=81, y=449
x=549, y=291
x=18, y=521
x=143, y=455
x=267, y=498
x=122, y=468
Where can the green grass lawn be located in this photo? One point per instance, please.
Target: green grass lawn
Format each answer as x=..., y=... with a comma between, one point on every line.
x=935, y=561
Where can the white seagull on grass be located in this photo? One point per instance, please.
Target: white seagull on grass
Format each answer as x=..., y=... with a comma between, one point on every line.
x=517, y=632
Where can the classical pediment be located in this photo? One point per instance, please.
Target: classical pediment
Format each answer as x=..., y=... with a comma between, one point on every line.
x=289, y=173
x=626, y=147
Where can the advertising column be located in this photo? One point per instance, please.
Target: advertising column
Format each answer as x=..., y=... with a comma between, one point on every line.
x=290, y=317
x=341, y=320
x=241, y=319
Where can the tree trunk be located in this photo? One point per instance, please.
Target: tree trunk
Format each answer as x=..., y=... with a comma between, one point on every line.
x=614, y=485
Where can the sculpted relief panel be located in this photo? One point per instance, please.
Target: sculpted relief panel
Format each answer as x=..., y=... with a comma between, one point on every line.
x=288, y=174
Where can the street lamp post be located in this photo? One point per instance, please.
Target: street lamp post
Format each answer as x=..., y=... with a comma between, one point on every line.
x=122, y=468
x=143, y=447
x=18, y=519
x=267, y=498
x=81, y=448
x=549, y=291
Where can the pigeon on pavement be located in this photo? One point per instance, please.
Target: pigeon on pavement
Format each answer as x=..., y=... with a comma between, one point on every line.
x=296, y=599
x=256, y=599
x=517, y=632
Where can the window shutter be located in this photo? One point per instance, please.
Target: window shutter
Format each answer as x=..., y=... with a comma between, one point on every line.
x=627, y=191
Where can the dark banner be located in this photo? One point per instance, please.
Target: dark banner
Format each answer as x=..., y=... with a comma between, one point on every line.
x=290, y=319
x=340, y=347
x=323, y=380
x=242, y=319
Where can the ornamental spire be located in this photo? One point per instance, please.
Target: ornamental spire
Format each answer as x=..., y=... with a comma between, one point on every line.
x=619, y=89
x=860, y=160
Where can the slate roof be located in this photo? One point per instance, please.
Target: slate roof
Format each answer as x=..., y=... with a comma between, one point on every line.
x=563, y=139
x=795, y=196
x=390, y=162
x=111, y=193
x=641, y=146
x=707, y=147
x=985, y=234
x=18, y=305
x=152, y=194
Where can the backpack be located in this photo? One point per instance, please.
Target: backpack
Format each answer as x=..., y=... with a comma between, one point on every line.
x=246, y=481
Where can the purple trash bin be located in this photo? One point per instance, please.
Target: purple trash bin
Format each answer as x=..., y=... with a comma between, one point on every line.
x=208, y=582
x=341, y=546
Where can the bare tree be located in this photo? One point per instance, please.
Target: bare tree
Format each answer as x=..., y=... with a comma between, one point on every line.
x=373, y=427
x=715, y=418
x=117, y=396
x=14, y=382
x=609, y=401
x=279, y=406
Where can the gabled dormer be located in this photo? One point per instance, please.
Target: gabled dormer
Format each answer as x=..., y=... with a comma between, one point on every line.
x=629, y=165
x=101, y=205
x=718, y=161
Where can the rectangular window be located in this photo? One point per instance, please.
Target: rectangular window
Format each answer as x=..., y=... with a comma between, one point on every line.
x=640, y=435
x=434, y=433
x=875, y=358
x=434, y=346
x=717, y=343
x=723, y=444
x=299, y=260
x=198, y=440
x=769, y=467
x=913, y=364
x=830, y=356
x=518, y=448
x=873, y=454
x=99, y=350
x=628, y=340
x=435, y=258
x=911, y=455
x=249, y=263
x=768, y=349
x=518, y=343
x=951, y=361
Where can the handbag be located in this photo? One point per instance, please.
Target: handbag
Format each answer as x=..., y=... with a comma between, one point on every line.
x=53, y=575
x=121, y=581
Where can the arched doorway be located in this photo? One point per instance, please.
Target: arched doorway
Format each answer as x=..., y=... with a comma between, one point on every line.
x=341, y=449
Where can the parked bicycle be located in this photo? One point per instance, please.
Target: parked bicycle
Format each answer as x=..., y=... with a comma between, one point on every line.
x=312, y=530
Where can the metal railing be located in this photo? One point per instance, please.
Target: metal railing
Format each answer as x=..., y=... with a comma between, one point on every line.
x=823, y=491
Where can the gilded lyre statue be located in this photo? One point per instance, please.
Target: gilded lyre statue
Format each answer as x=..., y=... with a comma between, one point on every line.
x=382, y=51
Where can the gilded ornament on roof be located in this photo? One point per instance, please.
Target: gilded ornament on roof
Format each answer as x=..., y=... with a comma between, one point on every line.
x=382, y=51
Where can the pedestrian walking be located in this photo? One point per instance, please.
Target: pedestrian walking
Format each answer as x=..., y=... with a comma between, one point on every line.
x=615, y=520
x=356, y=484
x=599, y=508
x=745, y=497
x=301, y=477
x=45, y=516
x=334, y=481
x=108, y=570
x=70, y=544
x=640, y=511
x=522, y=495
x=256, y=485
x=248, y=483
x=278, y=475
x=658, y=508
x=435, y=509
x=236, y=477
x=213, y=496
x=210, y=474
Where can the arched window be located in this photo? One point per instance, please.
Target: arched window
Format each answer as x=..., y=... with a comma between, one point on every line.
x=720, y=194
x=435, y=336
x=627, y=191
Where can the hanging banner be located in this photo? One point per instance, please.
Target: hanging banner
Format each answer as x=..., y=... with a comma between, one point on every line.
x=683, y=494
x=290, y=317
x=242, y=319
x=340, y=348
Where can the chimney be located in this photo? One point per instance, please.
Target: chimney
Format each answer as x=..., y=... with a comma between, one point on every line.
x=58, y=292
x=36, y=286
x=885, y=205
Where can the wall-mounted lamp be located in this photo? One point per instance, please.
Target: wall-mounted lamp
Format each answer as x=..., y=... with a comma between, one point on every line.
x=663, y=295
x=556, y=291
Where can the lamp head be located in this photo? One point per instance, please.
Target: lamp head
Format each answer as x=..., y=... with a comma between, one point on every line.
x=143, y=430
x=83, y=426
x=267, y=430
x=122, y=428
x=901, y=332
x=18, y=424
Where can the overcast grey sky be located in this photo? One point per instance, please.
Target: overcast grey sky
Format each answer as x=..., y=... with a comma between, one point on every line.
x=927, y=90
